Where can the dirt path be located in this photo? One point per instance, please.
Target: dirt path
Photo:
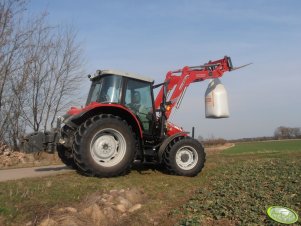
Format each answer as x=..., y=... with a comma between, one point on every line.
x=218, y=149
x=42, y=171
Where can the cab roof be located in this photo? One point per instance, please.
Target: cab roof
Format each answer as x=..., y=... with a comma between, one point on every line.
x=121, y=73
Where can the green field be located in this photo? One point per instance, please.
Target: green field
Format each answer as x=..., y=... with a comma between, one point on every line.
x=265, y=147
x=235, y=188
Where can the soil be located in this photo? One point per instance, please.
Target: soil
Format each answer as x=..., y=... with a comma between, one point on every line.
x=16, y=159
x=97, y=209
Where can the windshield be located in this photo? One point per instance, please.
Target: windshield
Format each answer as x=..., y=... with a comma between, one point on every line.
x=106, y=89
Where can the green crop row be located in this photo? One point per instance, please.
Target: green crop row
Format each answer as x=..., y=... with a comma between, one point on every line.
x=240, y=193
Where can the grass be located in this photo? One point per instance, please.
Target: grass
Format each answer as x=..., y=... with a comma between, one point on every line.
x=235, y=187
x=27, y=199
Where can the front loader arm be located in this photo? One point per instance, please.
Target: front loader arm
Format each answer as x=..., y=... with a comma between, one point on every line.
x=178, y=81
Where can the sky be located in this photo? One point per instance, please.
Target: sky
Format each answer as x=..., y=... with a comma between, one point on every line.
x=152, y=37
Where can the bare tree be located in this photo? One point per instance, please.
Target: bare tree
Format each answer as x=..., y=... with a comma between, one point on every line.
x=283, y=132
x=12, y=38
x=54, y=72
x=40, y=70
x=296, y=132
x=66, y=72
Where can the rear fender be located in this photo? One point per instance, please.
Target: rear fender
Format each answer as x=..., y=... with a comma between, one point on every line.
x=113, y=109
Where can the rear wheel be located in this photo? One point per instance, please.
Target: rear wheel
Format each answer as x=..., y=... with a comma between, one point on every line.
x=184, y=156
x=104, y=146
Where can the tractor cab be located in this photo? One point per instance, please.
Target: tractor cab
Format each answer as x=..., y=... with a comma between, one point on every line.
x=129, y=90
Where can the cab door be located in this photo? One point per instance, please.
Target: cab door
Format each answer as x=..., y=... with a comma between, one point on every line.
x=139, y=99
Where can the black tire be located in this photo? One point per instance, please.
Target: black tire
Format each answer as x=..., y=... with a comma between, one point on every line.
x=66, y=156
x=104, y=146
x=184, y=156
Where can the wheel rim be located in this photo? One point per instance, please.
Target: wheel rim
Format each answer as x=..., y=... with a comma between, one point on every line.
x=186, y=157
x=108, y=147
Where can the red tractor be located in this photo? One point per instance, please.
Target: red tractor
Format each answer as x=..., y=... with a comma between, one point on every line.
x=123, y=122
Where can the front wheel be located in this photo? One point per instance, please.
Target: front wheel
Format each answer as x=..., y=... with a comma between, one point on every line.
x=184, y=156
